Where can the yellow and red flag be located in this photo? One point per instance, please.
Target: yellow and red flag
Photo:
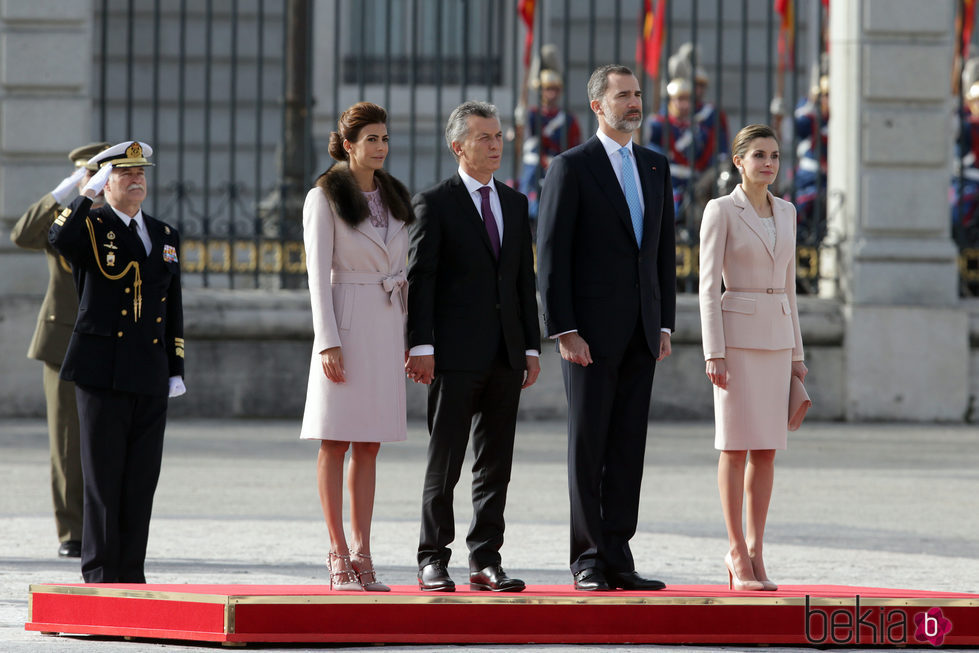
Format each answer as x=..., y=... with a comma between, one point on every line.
x=786, y=33
x=526, y=9
x=968, y=20
x=649, y=47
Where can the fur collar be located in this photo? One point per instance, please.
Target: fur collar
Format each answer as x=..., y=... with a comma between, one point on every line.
x=349, y=202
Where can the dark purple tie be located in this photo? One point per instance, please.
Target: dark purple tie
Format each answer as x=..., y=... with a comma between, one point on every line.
x=491, y=230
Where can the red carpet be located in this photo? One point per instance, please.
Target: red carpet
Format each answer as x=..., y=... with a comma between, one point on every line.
x=822, y=615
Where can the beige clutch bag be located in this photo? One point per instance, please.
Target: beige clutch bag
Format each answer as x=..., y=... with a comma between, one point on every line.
x=799, y=403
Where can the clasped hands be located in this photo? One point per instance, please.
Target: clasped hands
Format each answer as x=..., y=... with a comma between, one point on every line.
x=421, y=369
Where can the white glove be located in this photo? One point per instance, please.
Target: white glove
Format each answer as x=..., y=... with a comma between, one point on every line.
x=177, y=387
x=777, y=107
x=68, y=187
x=97, y=183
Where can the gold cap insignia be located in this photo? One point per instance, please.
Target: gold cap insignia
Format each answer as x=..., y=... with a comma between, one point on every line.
x=134, y=151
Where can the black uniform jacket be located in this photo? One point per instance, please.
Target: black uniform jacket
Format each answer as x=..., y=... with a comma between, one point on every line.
x=129, y=332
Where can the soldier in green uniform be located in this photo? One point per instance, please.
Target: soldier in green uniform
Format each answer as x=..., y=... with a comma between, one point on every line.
x=49, y=344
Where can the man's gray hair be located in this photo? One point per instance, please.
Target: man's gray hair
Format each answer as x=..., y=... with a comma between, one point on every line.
x=598, y=82
x=457, y=128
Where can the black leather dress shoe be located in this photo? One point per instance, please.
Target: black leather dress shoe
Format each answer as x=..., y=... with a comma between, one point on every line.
x=494, y=579
x=591, y=580
x=630, y=580
x=70, y=549
x=435, y=578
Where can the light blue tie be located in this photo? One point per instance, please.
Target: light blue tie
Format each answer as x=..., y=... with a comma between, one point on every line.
x=631, y=193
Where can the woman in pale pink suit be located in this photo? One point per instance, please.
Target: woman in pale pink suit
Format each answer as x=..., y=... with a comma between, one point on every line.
x=356, y=247
x=752, y=343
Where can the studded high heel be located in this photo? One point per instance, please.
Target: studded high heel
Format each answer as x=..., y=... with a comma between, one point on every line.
x=364, y=566
x=342, y=575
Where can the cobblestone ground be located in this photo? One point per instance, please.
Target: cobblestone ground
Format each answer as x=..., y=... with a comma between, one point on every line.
x=881, y=505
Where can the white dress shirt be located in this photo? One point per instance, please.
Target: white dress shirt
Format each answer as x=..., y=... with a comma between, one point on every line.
x=141, y=231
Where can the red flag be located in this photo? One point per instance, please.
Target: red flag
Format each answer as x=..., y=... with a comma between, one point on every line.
x=968, y=20
x=650, y=44
x=786, y=40
x=526, y=10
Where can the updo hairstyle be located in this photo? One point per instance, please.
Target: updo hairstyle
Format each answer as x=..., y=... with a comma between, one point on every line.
x=749, y=133
x=350, y=123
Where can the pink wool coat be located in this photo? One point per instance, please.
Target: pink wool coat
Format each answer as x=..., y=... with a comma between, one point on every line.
x=358, y=292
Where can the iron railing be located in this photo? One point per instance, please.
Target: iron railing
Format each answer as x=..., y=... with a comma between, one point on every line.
x=218, y=87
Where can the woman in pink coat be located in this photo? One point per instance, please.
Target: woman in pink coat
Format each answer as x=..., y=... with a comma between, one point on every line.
x=356, y=247
x=752, y=342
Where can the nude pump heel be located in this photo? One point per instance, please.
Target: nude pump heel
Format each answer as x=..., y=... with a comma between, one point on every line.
x=767, y=585
x=734, y=581
x=342, y=575
x=364, y=566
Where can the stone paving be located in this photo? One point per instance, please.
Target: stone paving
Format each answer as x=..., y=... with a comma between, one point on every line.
x=889, y=505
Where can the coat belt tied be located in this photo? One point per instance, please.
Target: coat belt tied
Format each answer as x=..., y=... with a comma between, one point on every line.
x=392, y=283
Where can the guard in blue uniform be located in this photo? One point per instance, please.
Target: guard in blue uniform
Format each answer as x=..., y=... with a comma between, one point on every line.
x=125, y=356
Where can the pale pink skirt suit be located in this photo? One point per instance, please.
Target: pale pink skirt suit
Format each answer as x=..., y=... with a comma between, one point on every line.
x=358, y=293
x=755, y=330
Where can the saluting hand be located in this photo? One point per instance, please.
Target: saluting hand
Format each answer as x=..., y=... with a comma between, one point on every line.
x=97, y=182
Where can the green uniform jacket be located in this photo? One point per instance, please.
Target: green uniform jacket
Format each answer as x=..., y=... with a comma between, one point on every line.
x=57, y=316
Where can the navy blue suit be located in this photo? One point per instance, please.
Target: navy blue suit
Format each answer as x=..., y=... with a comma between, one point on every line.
x=617, y=294
x=126, y=344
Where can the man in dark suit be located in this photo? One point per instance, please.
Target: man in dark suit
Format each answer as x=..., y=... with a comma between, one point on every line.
x=125, y=356
x=474, y=335
x=606, y=265
x=54, y=323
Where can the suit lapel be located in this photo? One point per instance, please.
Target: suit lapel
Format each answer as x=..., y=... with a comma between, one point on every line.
x=601, y=168
x=365, y=227
x=511, y=224
x=748, y=215
x=783, y=227
x=651, y=193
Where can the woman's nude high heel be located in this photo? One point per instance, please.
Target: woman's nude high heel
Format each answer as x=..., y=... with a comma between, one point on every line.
x=342, y=575
x=767, y=585
x=364, y=566
x=734, y=581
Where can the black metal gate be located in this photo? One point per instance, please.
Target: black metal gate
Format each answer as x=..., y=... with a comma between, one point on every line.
x=222, y=90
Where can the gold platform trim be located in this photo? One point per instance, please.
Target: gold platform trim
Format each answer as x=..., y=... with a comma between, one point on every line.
x=497, y=598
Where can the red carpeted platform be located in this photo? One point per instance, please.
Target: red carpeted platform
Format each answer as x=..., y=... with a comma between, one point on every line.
x=691, y=614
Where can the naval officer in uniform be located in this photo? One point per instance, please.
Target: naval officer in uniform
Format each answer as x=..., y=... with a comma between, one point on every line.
x=125, y=356
x=54, y=323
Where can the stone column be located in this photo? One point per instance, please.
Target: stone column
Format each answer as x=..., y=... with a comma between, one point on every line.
x=889, y=254
x=45, y=111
